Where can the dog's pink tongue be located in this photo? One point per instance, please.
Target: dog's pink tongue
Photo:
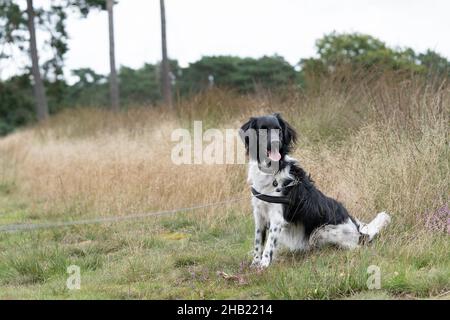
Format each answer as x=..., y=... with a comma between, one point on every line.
x=274, y=156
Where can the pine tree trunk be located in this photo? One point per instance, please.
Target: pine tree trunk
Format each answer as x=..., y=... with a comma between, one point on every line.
x=113, y=82
x=38, y=87
x=165, y=69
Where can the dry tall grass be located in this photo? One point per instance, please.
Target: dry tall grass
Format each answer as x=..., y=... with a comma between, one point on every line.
x=375, y=145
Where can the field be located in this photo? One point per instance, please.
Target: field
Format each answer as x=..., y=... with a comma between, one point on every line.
x=374, y=144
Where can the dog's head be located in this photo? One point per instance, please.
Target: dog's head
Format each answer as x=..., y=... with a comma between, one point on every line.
x=268, y=139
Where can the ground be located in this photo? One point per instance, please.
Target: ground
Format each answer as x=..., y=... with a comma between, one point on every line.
x=184, y=257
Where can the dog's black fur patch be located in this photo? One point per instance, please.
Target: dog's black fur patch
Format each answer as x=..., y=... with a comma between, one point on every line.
x=308, y=205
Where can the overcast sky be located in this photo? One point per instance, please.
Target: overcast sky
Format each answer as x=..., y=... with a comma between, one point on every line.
x=251, y=28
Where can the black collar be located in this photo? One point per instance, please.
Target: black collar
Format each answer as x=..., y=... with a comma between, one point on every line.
x=271, y=199
x=274, y=199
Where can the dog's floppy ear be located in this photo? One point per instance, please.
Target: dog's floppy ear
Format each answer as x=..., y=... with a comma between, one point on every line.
x=250, y=124
x=289, y=133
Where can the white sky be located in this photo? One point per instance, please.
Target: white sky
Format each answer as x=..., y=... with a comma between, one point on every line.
x=251, y=28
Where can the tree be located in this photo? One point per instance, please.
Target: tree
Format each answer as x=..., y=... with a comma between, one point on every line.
x=18, y=29
x=16, y=103
x=243, y=74
x=38, y=87
x=91, y=89
x=358, y=51
x=113, y=83
x=165, y=70
x=141, y=86
x=435, y=63
x=335, y=49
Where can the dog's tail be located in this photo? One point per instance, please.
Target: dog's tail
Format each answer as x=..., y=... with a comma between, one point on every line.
x=374, y=227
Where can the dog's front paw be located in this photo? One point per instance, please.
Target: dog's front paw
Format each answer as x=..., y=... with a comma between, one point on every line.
x=264, y=263
x=256, y=264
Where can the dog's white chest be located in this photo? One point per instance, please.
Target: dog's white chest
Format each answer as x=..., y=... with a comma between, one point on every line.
x=262, y=182
x=292, y=236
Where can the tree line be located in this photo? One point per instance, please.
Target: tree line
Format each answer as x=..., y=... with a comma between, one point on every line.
x=41, y=89
x=18, y=20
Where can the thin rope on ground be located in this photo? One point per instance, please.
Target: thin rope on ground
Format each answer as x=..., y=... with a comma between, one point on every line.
x=49, y=225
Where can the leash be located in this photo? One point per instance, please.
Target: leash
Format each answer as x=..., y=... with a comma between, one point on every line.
x=51, y=225
x=17, y=227
x=11, y=228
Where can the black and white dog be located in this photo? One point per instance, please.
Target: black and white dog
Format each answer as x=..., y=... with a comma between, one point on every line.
x=288, y=209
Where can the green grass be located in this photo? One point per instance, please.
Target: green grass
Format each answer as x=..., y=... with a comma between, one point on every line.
x=12, y=208
x=181, y=257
